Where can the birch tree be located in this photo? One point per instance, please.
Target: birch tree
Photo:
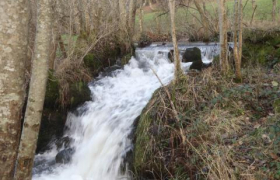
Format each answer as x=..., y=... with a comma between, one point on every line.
x=178, y=70
x=32, y=119
x=13, y=54
x=223, y=36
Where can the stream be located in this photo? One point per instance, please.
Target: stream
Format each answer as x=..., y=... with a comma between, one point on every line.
x=98, y=134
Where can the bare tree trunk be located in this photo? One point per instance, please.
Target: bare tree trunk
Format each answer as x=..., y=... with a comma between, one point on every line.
x=82, y=16
x=31, y=32
x=253, y=4
x=178, y=70
x=236, y=50
x=151, y=5
x=274, y=10
x=223, y=36
x=141, y=17
x=14, y=19
x=131, y=17
x=37, y=91
x=203, y=19
x=123, y=20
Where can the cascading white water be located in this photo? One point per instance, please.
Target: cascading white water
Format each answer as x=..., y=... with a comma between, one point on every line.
x=102, y=128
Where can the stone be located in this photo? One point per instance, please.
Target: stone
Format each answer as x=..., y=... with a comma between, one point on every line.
x=64, y=156
x=192, y=55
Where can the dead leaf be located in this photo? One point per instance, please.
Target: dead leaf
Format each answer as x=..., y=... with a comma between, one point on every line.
x=257, y=126
x=273, y=156
x=274, y=83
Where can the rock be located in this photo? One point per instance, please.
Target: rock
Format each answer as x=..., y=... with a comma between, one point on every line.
x=171, y=55
x=64, y=156
x=144, y=41
x=192, y=55
x=109, y=71
x=64, y=142
x=197, y=65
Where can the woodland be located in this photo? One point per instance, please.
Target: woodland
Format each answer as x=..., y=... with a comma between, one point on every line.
x=215, y=121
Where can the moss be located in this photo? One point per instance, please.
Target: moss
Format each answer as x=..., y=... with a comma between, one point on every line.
x=79, y=93
x=125, y=59
x=276, y=106
x=52, y=91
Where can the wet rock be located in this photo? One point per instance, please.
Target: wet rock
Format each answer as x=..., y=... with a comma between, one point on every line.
x=171, y=55
x=144, y=41
x=197, y=65
x=109, y=71
x=64, y=156
x=192, y=55
x=64, y=142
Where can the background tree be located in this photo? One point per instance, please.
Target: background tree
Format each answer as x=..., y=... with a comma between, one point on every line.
x=274, y=10
x=223, y=36
x=37, y=91
x=13, y=54
x=204, y=20
x=178, y=70
x=238, y=28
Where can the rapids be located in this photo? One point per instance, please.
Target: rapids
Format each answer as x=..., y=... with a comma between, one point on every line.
x=102, y=127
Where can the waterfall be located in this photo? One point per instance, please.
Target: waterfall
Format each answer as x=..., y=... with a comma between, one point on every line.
x=101, y=128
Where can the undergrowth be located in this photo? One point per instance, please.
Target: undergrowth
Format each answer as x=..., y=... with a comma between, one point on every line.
x=230, y=131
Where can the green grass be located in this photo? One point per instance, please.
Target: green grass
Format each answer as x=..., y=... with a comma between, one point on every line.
x=263, y=11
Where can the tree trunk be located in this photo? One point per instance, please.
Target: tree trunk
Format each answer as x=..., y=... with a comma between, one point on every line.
x=37, y=91
x=141, y=17
x=151, y=5
x=13, y=55
x=273, y=10
x=223, y=36
x=123, y=21
x=203, y=19
x=178, y=70
x=236, y=50
x=131, y=17
x=253, y=4
x=82, y=16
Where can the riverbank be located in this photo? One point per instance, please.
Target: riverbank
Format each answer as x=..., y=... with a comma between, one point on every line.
x=223, y=130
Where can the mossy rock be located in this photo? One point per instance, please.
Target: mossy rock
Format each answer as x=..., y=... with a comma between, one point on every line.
x=79, y=93
x=93, y=63
x=52, y=91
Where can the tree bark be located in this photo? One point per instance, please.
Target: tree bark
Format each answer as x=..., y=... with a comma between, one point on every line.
x=37, y=91
x=237, y=39
x=14, y=17
x=131, y=17
x=203, y=19
x=178, y=71
x=141, y=17
x=223, y=36
x=273, y=10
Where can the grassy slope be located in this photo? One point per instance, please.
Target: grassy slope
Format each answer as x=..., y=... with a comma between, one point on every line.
x=232, y=130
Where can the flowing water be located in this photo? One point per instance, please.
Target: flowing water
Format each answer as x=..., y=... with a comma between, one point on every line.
x=101, y=130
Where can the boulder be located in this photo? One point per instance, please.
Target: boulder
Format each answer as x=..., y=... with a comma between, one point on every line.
x=64, y=156
x=192, y=55
x=197, y=65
